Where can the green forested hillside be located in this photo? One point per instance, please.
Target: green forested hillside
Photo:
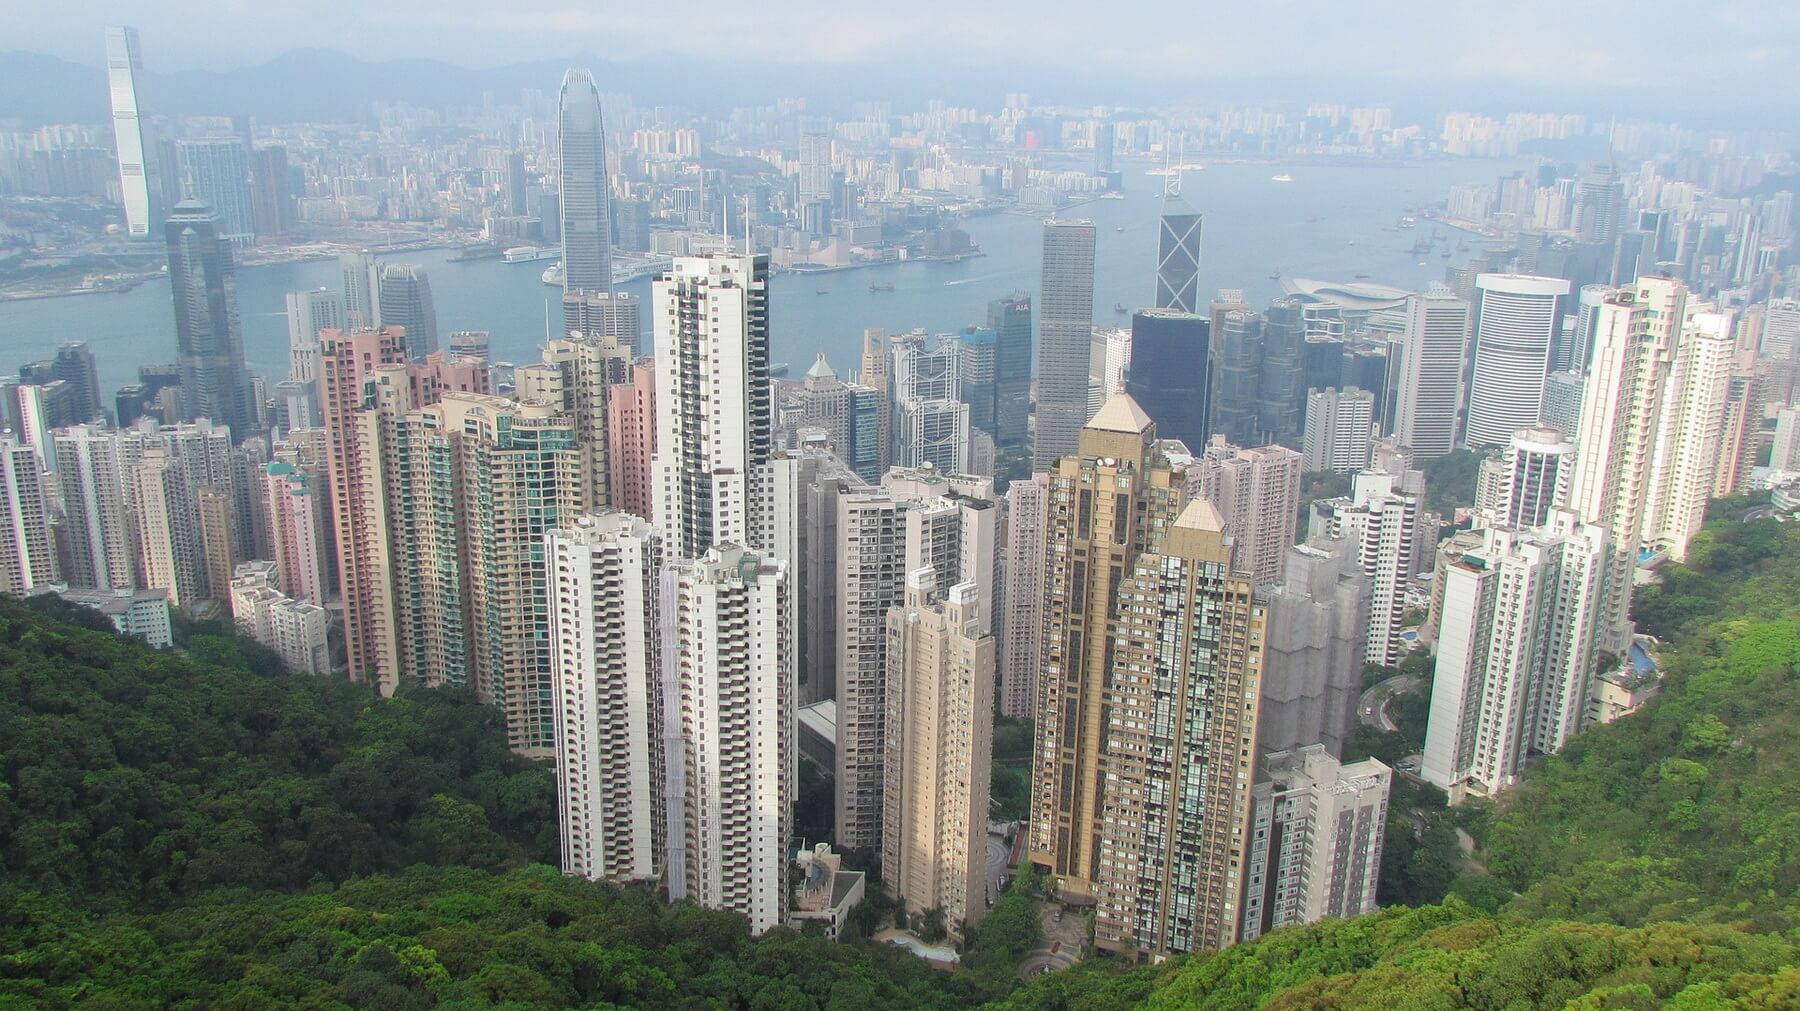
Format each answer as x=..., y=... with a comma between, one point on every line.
x=186, y=832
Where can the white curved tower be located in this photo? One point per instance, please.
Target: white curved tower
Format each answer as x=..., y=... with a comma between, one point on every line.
x=123, y=62
x=1515, y=329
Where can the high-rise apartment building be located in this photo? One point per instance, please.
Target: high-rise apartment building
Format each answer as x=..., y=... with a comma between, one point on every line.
x=815, y=167
x=1177, y=260
x=713, y=429
x=1112, y=502
x=296, y=630
x=1065, y=326
x=1177, y=749
x=1538, y=465
x=1023, y=576
x=730, y=754
x=916, y=518
x=615, y=316
x=405, y=298
x=94, y=480
x=1635, y=339
x=575, y=376
x=1691, y=433
x=1515, y=652
x=1315, y=843
x=631, y=441
x=27, y=548
x=208, y=340
x=1516, y=325
x=1257, y=493
x=1340, y=427
x=874, y=375
x=1010, y=320
x=602, y=571
x=358, y=369
x=297, y=525
x=139, y=186
x=1318, y=631
x=216, y=171
x=940, y=716
x=1171, y=370
x=585, y=187
x=1379, y=519
x=1433, y=355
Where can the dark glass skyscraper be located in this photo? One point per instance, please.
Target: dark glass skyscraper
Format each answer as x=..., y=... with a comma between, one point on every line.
x=405, y=298
x=1065, y=335
x=1010, y=319
x=209, y=342
x=1171, y=373
x=1283, y=393
x=1178, y=256
x=586, y=214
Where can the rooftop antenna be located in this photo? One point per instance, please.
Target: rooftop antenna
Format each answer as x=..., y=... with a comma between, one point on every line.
x=749, y=250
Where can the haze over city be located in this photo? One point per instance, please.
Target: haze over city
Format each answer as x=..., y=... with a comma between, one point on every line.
x=1020, y=505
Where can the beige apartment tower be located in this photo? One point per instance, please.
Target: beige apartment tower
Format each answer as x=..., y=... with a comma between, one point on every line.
x=940, y=715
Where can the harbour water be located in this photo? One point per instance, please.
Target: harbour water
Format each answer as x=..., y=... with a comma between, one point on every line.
x=1332, y=221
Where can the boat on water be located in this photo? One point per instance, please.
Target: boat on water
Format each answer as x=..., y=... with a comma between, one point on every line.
x=1119, y=307
x=553, y=274
x=1119, y=228
x=475, y=251
x=1275, y=275
x=1282, y=178
x=526, y=254
x=881, y=286
x=1362, y=277
x=1407, y=221
x=1446, y=254
x=822, y=291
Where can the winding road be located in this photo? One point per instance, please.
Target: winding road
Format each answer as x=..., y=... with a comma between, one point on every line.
x=1372, y=707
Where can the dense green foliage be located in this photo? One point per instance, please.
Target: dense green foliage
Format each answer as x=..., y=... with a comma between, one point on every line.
x=137, y=778
x=265, y=861
x=1450, y=481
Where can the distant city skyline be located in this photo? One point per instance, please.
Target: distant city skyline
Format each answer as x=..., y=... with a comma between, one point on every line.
x=1739, y=52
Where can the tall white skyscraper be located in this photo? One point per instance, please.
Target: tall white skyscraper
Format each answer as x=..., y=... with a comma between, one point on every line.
x=602, y=573
x=1781, y=330
x=309, y=312
x=1431, y=373
x=94, y=478
x=1634, y=347
x=1515, y=651
x=137, y=176
x=362, y=290
x=712, y=400
x=1516, y=326
x=730, y=744
x=586, y=189
x=1024, y=596
x=1379, y=519
x=1691, y=431
x=1065, y=329
x=27, y=549
x=1339, y=429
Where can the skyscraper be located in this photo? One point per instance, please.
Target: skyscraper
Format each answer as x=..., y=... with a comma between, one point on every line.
x=1177, y=745
x=1171, y=371
x=216, y=171
x=1281, y=400
x=1516, y=325
x=27, y=549
x=208, y=342
x=1065, y=328
x=74, y=365
x=1339, y=429
x=309, y=312
x=939, y=747
x=1024, y=596
x=1379, y=519
x=712, y=399
x=1433, y=355
x=600, y=315
x=1634, y=349
x=1111, y=503
x=602, y=574
x=815, y=167
x=585, y=186
x=297, y=524
x=94, y=476
x=730, y=756
x=1515, y=652
x=1257, y=494
x=1692, y=429
x=362, y=290
x=1538, y=466
x=631, y=441
x=1010, y=320
x=1318, y=622
x=1178, y=257
x=931, y=420
x=137, y=174
x=1237, y=344
x=405, y=298
x=1315, y=844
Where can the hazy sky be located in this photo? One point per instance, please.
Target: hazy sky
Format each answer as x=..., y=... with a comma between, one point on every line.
x=1743, y=50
